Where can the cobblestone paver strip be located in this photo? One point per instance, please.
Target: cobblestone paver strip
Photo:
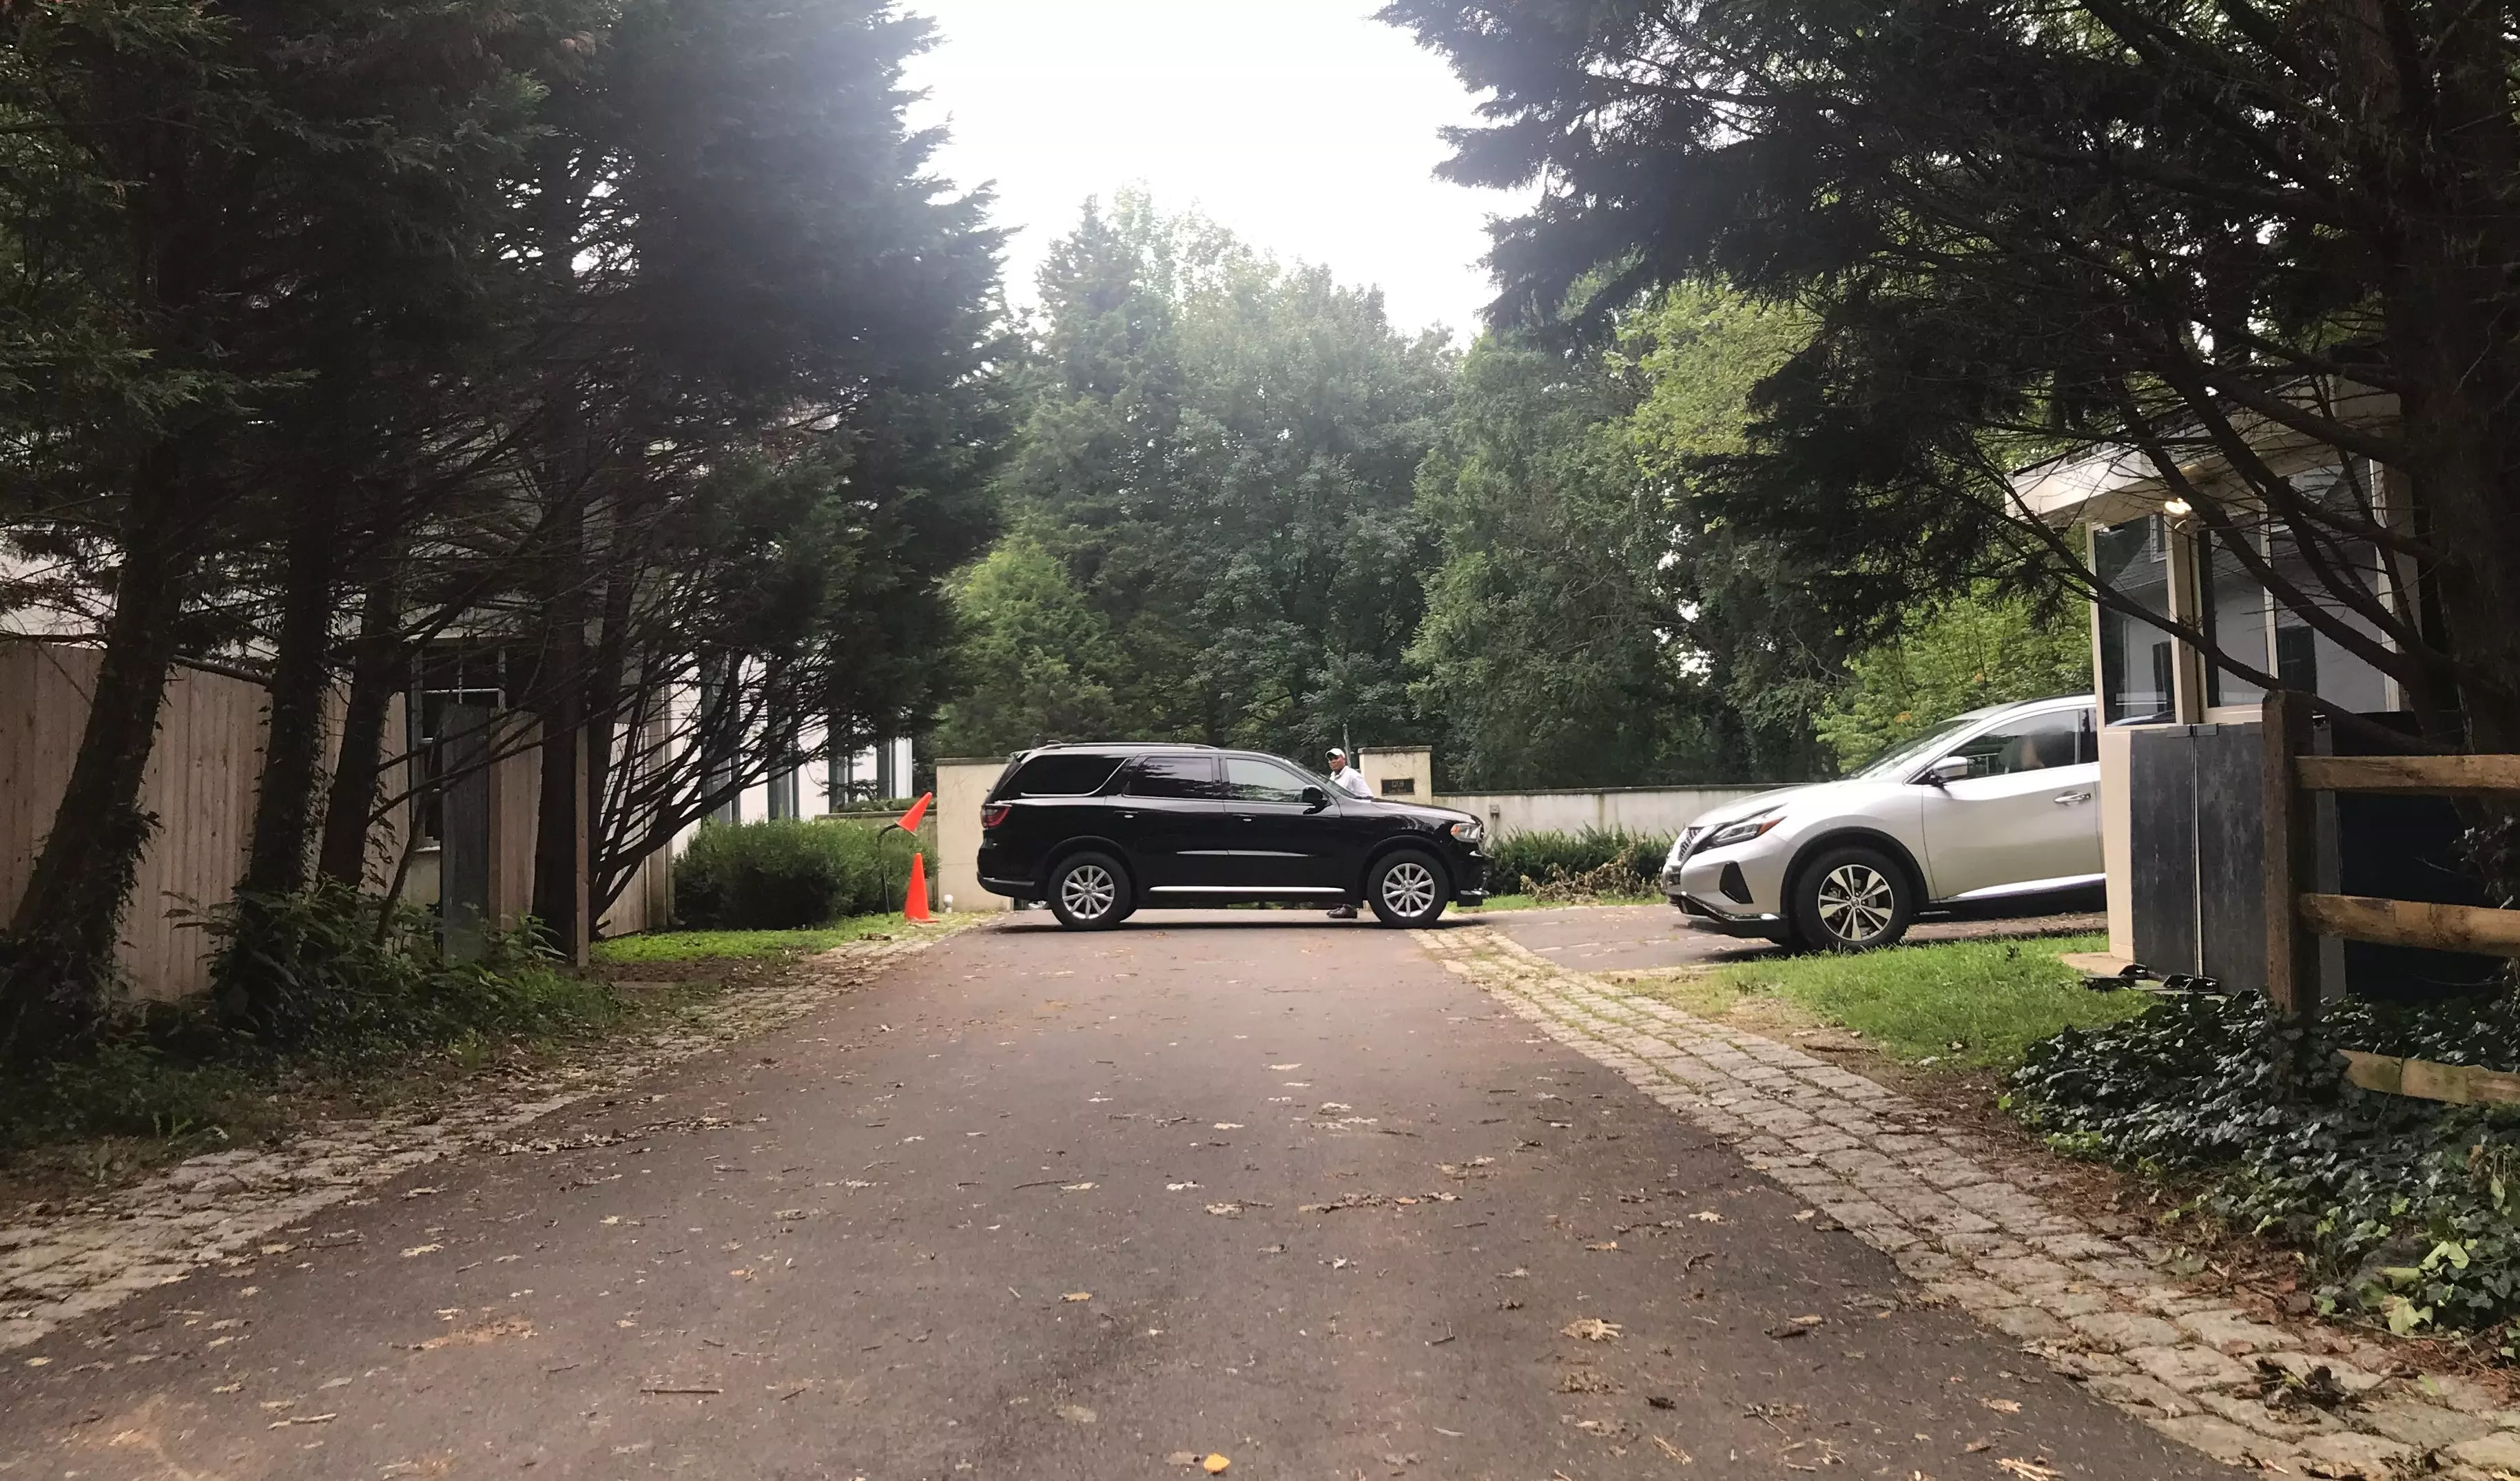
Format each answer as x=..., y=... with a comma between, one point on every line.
x=216, y=1207
x=1950, y=1211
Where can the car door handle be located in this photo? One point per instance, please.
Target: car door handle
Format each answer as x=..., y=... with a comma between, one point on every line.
x=2068, y=799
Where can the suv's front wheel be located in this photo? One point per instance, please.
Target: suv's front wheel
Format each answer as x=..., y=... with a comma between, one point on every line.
x=1089, y=892
x=1853, y=899
x=1407, y=888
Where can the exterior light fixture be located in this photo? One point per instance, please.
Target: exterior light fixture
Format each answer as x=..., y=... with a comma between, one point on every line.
x=2178, y=509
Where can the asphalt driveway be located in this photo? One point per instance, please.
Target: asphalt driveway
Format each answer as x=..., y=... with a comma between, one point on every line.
x=1054, y=1205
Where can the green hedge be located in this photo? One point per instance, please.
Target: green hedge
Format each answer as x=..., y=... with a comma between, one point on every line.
x=1533, y=854
x=786, y=875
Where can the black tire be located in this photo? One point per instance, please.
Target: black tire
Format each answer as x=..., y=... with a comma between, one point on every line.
x=1089, y=893
x=1853, y=899
x=1408, y=888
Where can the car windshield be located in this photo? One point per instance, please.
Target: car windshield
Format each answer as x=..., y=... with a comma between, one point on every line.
x=1900, y=758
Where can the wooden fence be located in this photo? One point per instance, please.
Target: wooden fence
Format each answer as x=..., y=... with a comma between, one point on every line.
x=2296, y=918
x=199, y=784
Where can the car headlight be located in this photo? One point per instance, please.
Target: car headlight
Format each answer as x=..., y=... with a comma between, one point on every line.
x=1748, y=829
x=1469, y=829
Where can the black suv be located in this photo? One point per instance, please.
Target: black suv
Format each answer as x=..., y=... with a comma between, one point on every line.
x=1101, y=831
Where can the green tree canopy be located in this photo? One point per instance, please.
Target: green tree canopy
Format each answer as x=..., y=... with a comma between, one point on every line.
x=1552, y=652
x=2259, y=251
x=1220, y=456
x=1984, y=648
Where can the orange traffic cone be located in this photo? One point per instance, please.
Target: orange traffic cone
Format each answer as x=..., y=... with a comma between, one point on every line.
x=914, y=901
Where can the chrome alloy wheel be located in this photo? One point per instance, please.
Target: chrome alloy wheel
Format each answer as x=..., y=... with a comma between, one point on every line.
x=1408, y=888
x=1088, y=891
x=1855, y=903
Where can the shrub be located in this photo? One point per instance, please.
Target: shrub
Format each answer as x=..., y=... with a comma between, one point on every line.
x=788, y=875
x=1533, y=855
x=322, y=970
x=306, y=986
x=1613, y=880
x=2408, y=1211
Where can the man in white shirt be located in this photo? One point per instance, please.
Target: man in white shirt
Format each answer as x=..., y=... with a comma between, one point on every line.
x=1344, y=777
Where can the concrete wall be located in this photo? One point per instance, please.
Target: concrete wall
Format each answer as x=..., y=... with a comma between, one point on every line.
x=961, y=787
x=1637, y=809
x=1406, y=772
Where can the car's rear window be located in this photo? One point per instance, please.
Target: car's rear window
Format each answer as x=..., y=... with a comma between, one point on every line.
x=1060, y=774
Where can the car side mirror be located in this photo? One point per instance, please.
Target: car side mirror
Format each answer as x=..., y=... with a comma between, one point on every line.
x=1947, y=770
x=1316, y=799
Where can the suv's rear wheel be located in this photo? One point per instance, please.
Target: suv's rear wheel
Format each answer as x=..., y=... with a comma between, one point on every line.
x=1853, y=899
x=1406, y=887
x=1089, y=892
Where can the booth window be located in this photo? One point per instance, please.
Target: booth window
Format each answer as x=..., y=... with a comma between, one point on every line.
x=2134, y=558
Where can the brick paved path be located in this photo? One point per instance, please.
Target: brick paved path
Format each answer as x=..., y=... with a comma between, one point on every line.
x=1965, y=1218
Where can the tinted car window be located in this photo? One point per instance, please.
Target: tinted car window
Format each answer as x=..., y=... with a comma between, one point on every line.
x=1062, y=774
x=1175, y=776
x=2032, y=744
x=1250, y=779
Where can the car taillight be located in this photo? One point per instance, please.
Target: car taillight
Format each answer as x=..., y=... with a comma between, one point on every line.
x=991, y=817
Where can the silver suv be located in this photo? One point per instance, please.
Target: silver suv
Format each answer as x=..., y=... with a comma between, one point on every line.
x=1999, y=806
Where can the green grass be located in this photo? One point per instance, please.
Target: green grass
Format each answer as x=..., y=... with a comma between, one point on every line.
x=1952, y=1005
x=707, y=946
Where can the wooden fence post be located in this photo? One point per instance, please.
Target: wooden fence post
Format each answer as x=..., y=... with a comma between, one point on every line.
x=2292, y=864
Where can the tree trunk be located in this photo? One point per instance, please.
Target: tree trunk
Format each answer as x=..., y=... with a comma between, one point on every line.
x=56, y=960
x=376, y=675
x=559, y=687
x=292, y=755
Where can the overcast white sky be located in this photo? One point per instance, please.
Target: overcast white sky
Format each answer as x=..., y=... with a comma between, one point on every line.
x=1304, y=125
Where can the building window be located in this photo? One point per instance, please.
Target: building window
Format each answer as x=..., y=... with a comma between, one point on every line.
x=2134, y=558
x=449, y=677
x=2305, y=658
x=2234, y=614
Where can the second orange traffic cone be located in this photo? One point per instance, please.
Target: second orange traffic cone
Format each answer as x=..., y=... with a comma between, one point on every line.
x=913, y=900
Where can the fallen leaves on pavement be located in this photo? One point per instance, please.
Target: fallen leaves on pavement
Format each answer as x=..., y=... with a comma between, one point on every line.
x=2028, y=1470
x=1591, y=1329
x=1379, y=1200
x=2002, y=1405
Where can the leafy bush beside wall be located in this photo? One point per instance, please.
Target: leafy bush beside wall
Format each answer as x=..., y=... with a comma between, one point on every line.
x=786, y=875
x=1535, y=854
